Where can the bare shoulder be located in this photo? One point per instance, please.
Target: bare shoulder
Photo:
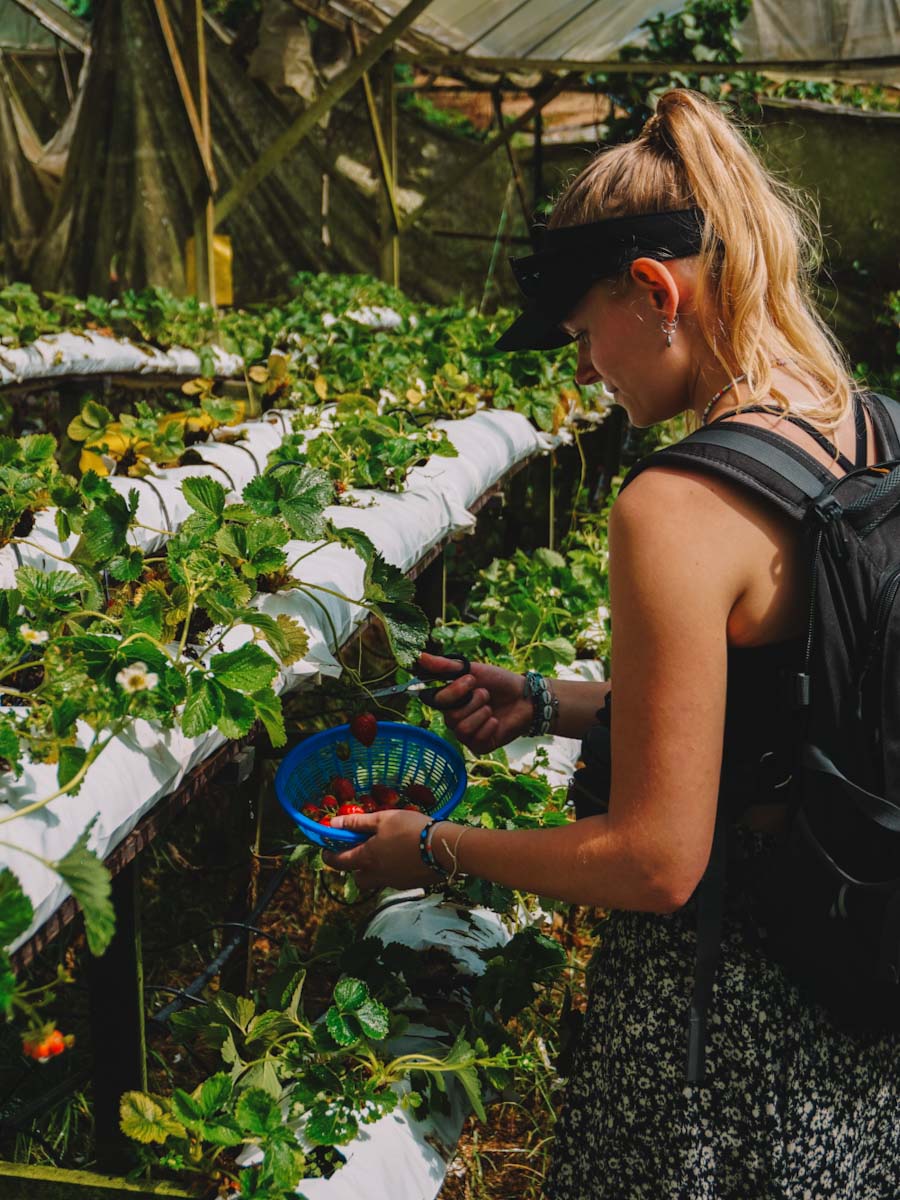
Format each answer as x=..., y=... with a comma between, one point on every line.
x=740, y=550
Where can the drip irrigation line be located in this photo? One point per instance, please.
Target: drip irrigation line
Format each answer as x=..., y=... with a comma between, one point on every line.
x=191, y=991
x=207, y=929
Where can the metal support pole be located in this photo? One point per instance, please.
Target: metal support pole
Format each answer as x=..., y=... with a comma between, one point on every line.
x=116, y=985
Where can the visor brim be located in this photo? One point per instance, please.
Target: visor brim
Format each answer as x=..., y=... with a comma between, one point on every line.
x=533, y=330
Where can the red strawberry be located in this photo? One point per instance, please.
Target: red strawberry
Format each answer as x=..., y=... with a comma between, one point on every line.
x=312, y=811
x=343, y=789
x=364, y=728
x=326, y=818
x=329, y=803
x=384, y=796
x=367, y=804
x=350, y=808
x=420, y=795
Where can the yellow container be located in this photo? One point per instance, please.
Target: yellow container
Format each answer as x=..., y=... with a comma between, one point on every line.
x=222, y=260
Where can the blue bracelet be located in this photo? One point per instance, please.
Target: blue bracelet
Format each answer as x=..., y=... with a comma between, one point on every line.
x=425, y=851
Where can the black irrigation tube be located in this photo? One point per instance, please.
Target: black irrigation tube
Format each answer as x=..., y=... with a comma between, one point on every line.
x=160, y=1020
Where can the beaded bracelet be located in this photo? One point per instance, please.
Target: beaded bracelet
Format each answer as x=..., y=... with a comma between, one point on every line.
x=425, y=851
x=543, y=701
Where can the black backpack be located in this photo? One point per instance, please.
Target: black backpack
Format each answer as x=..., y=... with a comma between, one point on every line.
x=830, y=898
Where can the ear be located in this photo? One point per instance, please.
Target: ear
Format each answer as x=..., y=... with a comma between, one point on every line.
x=655, y=278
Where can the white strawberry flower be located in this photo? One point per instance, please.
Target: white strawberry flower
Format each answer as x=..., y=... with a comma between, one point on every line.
x=434, y=435
x=33, y=637
x=137, y=678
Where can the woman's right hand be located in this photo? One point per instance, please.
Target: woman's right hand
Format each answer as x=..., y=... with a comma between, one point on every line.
x=497, y=711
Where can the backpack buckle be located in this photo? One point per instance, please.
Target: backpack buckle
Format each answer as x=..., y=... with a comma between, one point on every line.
x=827, y=508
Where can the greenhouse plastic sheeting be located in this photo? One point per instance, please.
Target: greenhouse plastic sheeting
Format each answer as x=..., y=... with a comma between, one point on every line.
x=138, y=770
x=66, y=354
x=401, y=1156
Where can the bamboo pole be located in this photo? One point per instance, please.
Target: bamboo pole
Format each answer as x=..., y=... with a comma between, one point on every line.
x=295, y=133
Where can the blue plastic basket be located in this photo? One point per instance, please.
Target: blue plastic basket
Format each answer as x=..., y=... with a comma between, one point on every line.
x=400, y=755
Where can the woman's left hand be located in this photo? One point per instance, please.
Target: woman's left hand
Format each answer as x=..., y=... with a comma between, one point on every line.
x=390, y=856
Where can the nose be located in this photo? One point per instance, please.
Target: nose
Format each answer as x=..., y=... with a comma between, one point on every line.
x=585, y=372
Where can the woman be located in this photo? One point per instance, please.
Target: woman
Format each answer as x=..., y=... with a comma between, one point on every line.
x=674, y=262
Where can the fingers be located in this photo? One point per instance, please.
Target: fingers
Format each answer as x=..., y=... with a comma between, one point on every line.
x=452, y=693
x=345, y=860
x=357, y=822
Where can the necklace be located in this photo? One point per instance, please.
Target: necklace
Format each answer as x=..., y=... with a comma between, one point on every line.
x=719, y=394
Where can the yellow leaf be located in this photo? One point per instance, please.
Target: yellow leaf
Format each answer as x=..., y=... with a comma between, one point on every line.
x=414, y=396
x=320, y=385
x=90, y=461
x=258, y=374
x=193, y=387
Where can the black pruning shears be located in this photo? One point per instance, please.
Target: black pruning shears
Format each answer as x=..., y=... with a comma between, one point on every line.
x=419, y=684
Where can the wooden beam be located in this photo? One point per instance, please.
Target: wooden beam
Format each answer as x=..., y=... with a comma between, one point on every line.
x=795, y=67
x=446, y=185
x=339, y=86
x=60, y=23
x=184, y=88
x=21, y=1181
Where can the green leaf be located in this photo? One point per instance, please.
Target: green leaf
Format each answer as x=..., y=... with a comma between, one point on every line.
x=49, y=591
x=71, y=760
x=349, y=994
x=247, y=669
x=127, y=567
x=205, y=495
x=267, y=707
x=238, y=714
x=7, y=984
x=330, y=1127
x=103, y=532
x=144, y=1119
x=285, y=1162
x=16, y=912
x=340, y=1028
x=89, y=880
x=407, y=629
x=186, y=1108
x=374, y=1019
x=262, y=1076
x=262, y=494
x=213, y=1093
x=203, y=705
x=287, y=637
x=305, y=493
x=258, y=1112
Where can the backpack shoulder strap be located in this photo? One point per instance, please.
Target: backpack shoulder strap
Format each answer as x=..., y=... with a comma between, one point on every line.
x=885, y=414
x=773, y=467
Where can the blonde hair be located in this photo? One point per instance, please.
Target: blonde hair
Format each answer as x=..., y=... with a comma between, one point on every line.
x=759, y=247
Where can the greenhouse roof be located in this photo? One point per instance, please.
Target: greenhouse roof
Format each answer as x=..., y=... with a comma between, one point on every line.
x=39, y=25
x=815, y=36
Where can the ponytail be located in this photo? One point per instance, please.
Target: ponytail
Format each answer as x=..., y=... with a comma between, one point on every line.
x=759, y=248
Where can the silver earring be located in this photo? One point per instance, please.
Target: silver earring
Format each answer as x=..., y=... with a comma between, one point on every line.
x=668, y=327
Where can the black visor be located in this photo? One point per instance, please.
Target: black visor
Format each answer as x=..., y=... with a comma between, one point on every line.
x=575, y=257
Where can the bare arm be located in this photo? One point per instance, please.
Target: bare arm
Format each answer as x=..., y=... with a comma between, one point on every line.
x=678, y=565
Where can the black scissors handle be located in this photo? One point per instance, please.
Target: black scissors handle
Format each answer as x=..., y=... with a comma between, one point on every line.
x=427, y=696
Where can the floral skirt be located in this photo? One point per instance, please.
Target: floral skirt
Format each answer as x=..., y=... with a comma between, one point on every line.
x=790, y=1108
